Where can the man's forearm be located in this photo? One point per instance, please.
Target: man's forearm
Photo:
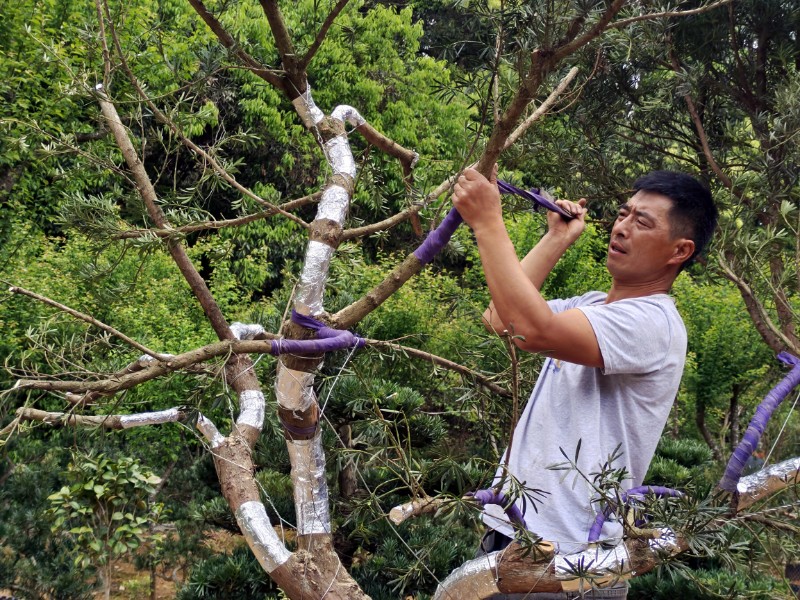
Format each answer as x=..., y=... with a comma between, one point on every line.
x=536, y=265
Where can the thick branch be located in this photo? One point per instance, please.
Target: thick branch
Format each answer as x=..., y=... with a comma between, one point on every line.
x=234, y=47
x=295, y=71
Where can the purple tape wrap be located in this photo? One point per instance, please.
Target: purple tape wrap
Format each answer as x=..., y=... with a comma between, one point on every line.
x=535, y=197
x=490, y=496
x=327, y=340
x=733, y=471
x=438, y=238
x=602, y=516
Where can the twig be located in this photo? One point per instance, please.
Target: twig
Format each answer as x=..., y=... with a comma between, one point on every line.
x=83, y=317
x=163, y=233
x=669, y=14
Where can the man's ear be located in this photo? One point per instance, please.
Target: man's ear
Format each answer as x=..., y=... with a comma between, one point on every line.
x=684, y=248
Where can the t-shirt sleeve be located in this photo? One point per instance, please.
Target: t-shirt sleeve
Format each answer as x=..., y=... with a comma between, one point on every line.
x=634, y=336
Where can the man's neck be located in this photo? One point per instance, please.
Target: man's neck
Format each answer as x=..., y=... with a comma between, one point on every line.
x=621, y=290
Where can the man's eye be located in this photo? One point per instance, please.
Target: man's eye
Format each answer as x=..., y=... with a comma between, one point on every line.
x=643, y=223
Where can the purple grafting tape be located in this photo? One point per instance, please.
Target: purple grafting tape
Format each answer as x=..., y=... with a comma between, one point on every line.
x=438, y=238
x=733, y=471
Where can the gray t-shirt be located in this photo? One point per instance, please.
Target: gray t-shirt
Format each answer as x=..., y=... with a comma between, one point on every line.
x=643, y=343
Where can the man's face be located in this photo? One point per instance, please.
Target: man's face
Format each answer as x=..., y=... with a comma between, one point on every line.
x=642, y=248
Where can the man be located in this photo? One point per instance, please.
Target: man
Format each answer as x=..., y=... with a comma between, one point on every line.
x=614, y=361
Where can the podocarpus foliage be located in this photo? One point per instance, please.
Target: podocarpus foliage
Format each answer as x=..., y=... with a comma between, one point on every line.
x=197, y=167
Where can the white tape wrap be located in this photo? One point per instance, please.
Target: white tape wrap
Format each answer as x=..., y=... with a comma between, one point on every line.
x=595, y=560
x=307, y=109
x=333, y=204
x=667, y=542
x=348, y=114
x=151, y=418
x=474, y=579
x=294, y=389
x=209, y=431
x=760, y=482
x=310, y=487
x=312, y=279
x=251, y=409
x=340, y=157
x=261, y=537
x=243, y=331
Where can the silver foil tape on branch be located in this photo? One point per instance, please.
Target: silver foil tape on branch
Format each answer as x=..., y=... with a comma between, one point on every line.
x=209, y=431
x=310, y=486
x=294, y=389
x=595, y=560
x=251, y=409
x=473, y=580
x=307, y=109
x=313, y=278
x=340, y=157
x=150, y=418
x=261, y=537
x=759, y=484
x=666, y=542
x=348, y=114
x=334, y=203
x=243, y=331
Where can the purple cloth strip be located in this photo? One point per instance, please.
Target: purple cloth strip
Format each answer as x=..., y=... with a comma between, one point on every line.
x=749, y=443
x=490, y=496
x=535, y=197
x=438, y=238
x=327, y=340
x=602, y=516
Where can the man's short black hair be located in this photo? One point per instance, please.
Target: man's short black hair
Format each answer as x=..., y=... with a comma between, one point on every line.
x=693, y=214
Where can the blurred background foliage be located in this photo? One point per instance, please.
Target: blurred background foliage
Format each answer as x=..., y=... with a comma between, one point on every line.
x=395, y=427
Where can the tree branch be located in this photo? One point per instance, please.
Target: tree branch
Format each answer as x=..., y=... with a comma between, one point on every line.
x=268, y=75
x=161, y=117
x=668, y=14
x=221, y=224
x=88, y=319
x=445, y=363
x=322, y=33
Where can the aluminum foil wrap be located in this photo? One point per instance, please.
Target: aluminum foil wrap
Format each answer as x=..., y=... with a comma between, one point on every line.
x=313, y=278
x=150, y=418
x=244, y=331
x=251, y=409
x=307, y=109
x=340, y=157
x=348, y=114
x=294, y=389
x=595, y=559
x=209, y=431
x=310, y=487
x=758, y=483
x=334, y=203
x=667, y=542
x=474, y=579
x=261, y=537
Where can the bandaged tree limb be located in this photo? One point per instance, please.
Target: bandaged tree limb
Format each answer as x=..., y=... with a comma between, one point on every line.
x=314, y=571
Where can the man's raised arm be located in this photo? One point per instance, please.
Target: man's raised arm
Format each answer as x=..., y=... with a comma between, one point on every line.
x=517, y=306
